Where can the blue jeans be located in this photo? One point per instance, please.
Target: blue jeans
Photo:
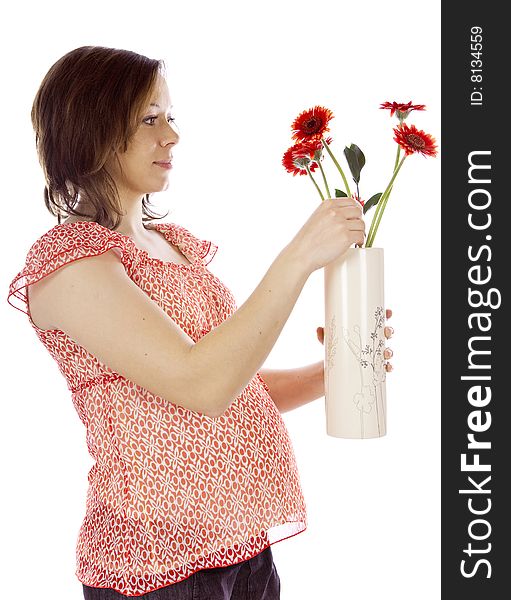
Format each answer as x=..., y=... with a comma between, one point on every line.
x=253, y=579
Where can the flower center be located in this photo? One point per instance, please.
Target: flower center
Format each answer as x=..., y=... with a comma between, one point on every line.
x=415, y=141
x=312, y=125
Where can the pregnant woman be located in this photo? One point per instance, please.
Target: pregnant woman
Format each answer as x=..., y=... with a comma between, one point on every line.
x=194, y=475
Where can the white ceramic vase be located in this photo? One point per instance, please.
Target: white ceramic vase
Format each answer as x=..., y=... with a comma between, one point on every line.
x=355, y=396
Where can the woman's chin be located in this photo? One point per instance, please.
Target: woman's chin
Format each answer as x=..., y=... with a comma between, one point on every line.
x=162, y=187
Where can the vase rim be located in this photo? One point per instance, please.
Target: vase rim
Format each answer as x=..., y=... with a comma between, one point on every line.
x=371, y=248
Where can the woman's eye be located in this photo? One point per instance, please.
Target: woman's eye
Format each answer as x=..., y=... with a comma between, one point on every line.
x=152, y=119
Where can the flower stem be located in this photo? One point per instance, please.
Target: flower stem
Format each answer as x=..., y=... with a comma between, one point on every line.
x=397, y=156
x=383, y=202
x=378, y=208
x=314, y=182
x=338, y=166
x=324, y=178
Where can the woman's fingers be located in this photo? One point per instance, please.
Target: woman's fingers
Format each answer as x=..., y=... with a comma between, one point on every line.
x=387, y=353
x=388, y=331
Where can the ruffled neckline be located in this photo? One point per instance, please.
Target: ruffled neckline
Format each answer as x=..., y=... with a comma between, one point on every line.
x=198, y=252
x=172, y=235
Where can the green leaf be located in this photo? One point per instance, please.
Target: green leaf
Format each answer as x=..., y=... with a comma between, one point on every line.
x=351, y=157
x=340, y=194
x=360, y=156
x=373, y=201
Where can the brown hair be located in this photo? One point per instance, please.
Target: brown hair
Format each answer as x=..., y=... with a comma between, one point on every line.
x=86, y=107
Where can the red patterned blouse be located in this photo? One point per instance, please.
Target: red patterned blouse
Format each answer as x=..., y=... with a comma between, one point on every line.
x=172, y=491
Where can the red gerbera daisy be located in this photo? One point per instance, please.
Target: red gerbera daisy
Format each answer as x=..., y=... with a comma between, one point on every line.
x=414, y=140
x=403, y=110
x=311, y=123
x=309, y=147
x=298, y=156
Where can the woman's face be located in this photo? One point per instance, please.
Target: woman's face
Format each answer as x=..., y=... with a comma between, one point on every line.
x=136, y=171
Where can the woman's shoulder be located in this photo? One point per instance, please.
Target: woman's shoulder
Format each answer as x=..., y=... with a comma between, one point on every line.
x=60, y=245
x=72, y=239
x=75, y=228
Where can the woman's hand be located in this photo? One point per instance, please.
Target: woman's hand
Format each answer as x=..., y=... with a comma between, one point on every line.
x=335, y=225
x=388, y=331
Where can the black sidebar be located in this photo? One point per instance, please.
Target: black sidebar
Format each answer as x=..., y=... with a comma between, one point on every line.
x=476, y=319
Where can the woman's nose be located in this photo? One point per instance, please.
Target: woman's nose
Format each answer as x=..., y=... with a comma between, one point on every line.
x=170, y=135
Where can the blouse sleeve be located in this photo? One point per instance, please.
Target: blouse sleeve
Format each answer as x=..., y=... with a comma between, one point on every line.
x=204, y=250
x=208, y=250
x=62, y=245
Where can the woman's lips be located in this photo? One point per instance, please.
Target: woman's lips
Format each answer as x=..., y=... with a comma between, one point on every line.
x=164, y=165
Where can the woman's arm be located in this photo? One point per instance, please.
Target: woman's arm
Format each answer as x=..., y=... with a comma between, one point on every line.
x=291, y=388
x=95, y=302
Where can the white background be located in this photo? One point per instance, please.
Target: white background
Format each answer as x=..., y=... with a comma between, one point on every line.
x=238, y=74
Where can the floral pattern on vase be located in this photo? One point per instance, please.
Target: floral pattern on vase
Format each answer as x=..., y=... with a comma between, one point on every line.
x=354, y=371
x=371, y=369
x=331, y=344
